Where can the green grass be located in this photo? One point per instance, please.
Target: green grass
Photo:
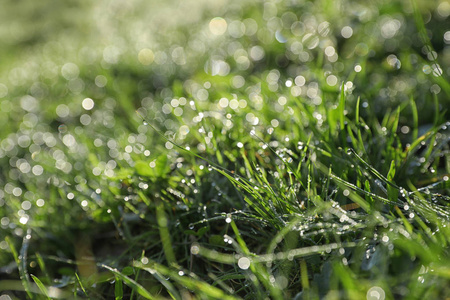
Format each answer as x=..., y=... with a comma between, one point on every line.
x=285, y=156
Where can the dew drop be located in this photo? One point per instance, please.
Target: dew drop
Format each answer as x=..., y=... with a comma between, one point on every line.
x=244, y=263
x=228, y=218
x=195, y=249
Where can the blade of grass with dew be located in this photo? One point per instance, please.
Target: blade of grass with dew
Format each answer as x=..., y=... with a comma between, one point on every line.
x=369, y=199
x=130, y=282
x=255, y=268
x=41, y=286
x=279, y=256
x=392, y=191
x=198, y=286
x=259, y=205
x=405, y=221
x=23, y=276
x=288, y=166
x=80, y=283
x=372, y=169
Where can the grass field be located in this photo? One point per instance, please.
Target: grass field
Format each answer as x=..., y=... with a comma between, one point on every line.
x=225, y=150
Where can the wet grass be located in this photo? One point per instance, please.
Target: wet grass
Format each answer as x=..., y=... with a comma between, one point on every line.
x=249, y=150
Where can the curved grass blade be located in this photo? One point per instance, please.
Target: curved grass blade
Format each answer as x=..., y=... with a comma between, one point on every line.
x=130, y=282
x=41, y=286
x=19, y=261
x=196, y=285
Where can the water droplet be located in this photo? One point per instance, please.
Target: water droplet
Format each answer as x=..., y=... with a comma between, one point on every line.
x=228, y=218
x=191, y=226
x=244, y=263
x=195, y=248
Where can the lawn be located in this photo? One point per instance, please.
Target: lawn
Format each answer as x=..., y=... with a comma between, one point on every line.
x=285, y=149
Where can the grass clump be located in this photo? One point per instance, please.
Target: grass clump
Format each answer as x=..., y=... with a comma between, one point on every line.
x=267, y=150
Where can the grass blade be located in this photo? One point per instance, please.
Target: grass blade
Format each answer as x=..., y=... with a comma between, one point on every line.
x=198, y=286
x=41, y=286
x=19, y=261
x=130, y=282
x=118, y=288
x=341, y=107
x=392, y=190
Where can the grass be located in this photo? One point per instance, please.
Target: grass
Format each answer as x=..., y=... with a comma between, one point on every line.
x=248, y=150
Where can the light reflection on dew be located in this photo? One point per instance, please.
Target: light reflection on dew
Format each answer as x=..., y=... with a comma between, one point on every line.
x=223, y=102
x=236, y=29
x=244, y=263
x=88, y=104
x=62, y=111
x=257, y=53
x=146, y=56
x=26, y=205
x=218, y=26
x=376, y=293
x=332, y=80
x=347, y=32
x=17, y=191
x=85, y=119
x=184, y=129
x=228, y=218
x=195, y=249
x=70, y=71
x=24, y=219
x=101, y=81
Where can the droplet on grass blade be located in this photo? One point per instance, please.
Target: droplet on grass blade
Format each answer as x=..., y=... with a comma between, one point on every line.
x=244, y=263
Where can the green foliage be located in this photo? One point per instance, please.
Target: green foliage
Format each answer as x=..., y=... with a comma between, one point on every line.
x=202, y=150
